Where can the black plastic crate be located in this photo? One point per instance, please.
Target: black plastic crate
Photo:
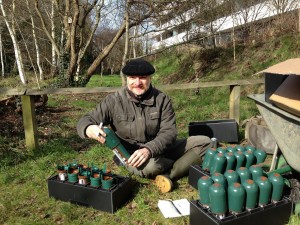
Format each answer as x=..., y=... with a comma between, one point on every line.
x=271, y=214
x=195, y=173
x=86, y=195
x=223, y=130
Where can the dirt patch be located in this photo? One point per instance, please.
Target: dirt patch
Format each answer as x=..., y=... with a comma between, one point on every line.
x=11, y=122
x=52, y=122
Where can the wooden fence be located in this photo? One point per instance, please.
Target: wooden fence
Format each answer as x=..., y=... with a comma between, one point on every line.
x=28, y=96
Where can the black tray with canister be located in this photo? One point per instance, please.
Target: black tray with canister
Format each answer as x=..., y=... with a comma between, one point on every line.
x=98, y=198
x=271, y=214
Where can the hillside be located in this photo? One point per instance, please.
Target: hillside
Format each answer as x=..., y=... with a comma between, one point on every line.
x=191, y=63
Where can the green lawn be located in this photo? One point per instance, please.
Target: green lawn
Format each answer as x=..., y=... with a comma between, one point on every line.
x=23, y=175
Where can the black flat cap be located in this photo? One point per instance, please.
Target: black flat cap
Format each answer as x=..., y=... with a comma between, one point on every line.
x=138, y=67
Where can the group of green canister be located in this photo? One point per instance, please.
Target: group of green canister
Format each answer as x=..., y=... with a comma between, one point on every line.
x=85, y=175
x=235, y=181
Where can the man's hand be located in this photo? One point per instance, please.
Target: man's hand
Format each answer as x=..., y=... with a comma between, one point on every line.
x=95, y=132
x=139, y=157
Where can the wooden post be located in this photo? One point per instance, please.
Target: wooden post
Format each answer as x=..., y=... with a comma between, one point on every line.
x=29, y=121
x=234, y=102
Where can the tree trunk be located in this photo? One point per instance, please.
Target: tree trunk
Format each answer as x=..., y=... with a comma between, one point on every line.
x=53, y=55
x=1, y=54
x=233, y=34
x=45, y=28
x=125, y=56
x=17, y=51
x=105, y=52
x=73, y=49
x=83, y=48
x=134, y=41
x=38, y=57
x=298, y=20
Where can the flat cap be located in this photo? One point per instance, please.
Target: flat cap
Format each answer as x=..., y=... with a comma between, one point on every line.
x=138, y=67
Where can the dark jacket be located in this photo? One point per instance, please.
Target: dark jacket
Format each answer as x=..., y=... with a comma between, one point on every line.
x=148, y=122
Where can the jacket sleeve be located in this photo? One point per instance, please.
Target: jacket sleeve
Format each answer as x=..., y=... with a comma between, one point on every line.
x=167, y=133
x=100, y=114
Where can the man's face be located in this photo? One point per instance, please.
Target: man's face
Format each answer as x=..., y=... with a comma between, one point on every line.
x=138, y=84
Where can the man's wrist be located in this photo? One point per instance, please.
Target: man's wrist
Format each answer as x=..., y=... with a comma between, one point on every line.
x=148, y=152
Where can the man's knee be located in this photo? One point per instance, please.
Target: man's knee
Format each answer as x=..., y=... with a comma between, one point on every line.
x=154, y=166
x=199, y=144
x=198, y=140
x=157, y=166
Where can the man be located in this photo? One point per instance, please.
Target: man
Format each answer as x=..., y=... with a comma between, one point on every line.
x=144, y=120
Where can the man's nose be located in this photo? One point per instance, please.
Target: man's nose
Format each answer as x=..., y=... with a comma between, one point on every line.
x=137, y=80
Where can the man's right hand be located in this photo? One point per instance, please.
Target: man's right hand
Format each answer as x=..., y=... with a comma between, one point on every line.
x=95, y=132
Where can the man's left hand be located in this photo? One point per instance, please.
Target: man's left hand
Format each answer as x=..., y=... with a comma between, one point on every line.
x=139, y=157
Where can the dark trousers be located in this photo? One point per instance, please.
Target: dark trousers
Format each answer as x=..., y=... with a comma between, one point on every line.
x=162, y=164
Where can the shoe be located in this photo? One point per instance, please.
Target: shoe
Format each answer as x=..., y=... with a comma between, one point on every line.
x=163, y=183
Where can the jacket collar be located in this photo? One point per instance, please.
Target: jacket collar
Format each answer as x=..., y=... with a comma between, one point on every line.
x=146, y=99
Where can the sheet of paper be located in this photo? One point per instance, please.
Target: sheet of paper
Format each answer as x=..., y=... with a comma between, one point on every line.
x=183, y=206
x=177, y=208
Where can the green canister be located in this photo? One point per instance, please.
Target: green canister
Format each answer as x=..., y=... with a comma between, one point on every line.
x=231, y=149
x=240, y=148
x=236, y=198
x=265, y=189
x=73, y=165
x=203, y=185
x=73, y=177
x=251, y=189
x=231, y=177
x=240, y=159
x=243, y=173
x=256, y=171
x=230, y=161
x=278, y=184
x=250, y=148
x=95, y=179
x=250, y=158
x=208, y=158
x=219, y=178
x=95, y=169
x=260, y=155
x=113, y=142
x=218, y=200
x=218, y=163
x=221, y=150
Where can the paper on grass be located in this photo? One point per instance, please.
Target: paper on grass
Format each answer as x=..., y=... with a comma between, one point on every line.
x=174, y=208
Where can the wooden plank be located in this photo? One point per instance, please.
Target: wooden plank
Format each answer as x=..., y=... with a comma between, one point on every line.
x=66, y=91
x=234, y=102
x=87, y=90
x=209, y=84
x=12, y=91
x=29, y=122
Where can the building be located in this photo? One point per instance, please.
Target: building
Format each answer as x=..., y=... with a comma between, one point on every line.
x=211, y=30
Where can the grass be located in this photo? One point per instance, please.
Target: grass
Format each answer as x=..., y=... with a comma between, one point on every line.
x=105, y=81
x=23, y=175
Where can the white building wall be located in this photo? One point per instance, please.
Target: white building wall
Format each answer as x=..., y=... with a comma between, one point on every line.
x=254, y=13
